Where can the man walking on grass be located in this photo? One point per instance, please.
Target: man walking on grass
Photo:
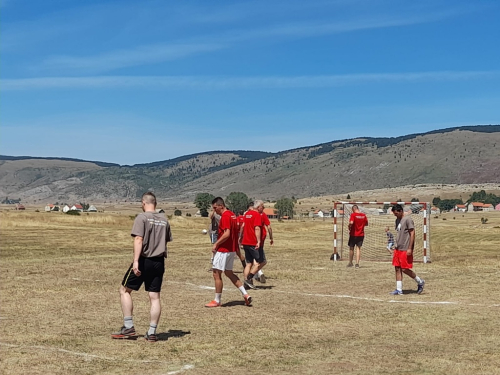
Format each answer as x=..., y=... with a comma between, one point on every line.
x=224, y=250
x=402, y=260
x=266, y=228
x=151, y=232
x=250, y=238
x=357, y=223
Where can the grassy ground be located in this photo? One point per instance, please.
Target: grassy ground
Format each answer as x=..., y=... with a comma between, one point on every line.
x=59, y=303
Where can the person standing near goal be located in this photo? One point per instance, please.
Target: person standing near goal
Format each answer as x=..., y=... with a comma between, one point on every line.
x=402, y=259
x=151, y=232
x=224, y=250
x=357, y=223
x=390, y=240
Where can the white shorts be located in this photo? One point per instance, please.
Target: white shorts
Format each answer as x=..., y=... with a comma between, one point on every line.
x=390, y=246
x=223, y=261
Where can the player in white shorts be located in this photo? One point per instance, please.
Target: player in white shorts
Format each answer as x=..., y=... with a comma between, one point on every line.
x=224, y=250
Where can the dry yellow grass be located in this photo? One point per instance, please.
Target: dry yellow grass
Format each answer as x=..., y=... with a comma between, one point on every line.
x=59, y=303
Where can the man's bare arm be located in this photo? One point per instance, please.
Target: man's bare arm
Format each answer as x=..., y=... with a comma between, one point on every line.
x=223, y=238
x=137, y=254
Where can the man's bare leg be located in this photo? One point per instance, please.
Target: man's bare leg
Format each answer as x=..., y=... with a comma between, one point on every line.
x=126, y=301
x=351, y=256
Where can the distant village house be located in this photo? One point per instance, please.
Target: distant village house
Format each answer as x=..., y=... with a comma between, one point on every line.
x=271, y=213
x=479, y=206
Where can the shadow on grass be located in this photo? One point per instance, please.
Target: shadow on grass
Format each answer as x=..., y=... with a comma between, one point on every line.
x=409, y=291
x=164, y=336
x=257, y=287
x=233, y=303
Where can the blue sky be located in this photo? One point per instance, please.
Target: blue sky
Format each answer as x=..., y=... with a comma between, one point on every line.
x=141, y=81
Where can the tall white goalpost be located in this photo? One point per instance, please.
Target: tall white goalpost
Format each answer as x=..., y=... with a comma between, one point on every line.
x=380, y=217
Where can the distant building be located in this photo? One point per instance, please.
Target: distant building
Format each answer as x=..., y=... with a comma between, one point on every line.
x=318, y=213
x=461, y=208
x=160, y=211
x=77, y=207
x=435, y=210
x=20, y=207
x=497, y=207
x=49, y=207
x=92, y=208
x=271, y=213
x=488, y=207
x=66, y=208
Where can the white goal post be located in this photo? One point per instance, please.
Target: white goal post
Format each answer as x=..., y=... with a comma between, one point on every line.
x=380, y=217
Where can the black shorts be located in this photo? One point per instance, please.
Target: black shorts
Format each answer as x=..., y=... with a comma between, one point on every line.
x=355, y=241
x=152, y=270
x=252, y=253
x=262, y=254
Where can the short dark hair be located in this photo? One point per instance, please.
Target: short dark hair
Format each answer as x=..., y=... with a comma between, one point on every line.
x=149, y=198
x=219, y=201
x=250, y=204
x=397, y=208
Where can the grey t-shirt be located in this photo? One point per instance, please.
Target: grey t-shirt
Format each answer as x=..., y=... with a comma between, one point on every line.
x=214, y=224
x=403, y=236
x=155, y=230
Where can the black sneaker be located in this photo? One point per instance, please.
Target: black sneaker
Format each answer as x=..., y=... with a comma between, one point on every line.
x=350, y=265
x=124, y=333
x=151, y=338
x=249, y=283
x=356, y=266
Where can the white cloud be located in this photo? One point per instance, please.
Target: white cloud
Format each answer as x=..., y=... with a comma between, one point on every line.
x=268, y=31
x=125, y=58
x=224, y=83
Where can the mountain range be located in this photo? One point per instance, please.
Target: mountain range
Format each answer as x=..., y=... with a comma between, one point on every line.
x=460, y=155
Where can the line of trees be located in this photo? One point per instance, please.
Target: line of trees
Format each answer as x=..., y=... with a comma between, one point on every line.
x=238, y=201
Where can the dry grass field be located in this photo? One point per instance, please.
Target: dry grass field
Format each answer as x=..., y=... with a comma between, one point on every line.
x=59, y=303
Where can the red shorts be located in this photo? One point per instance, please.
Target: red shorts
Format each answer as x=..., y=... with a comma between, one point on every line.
x=401, y=259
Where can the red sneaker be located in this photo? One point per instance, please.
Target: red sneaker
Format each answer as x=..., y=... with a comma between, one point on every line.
x=213, y=303
x=248, y=300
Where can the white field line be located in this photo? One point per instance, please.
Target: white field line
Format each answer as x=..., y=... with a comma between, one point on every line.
x=350, y=297
x=93, y=356
x=206, y=287
x=183, y=368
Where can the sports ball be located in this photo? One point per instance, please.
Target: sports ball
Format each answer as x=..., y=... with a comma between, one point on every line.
x=204, y=231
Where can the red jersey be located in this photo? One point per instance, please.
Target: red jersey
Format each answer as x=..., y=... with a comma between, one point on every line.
x=252, y=220
x=359, y=221
x=228, y=221
x=263, y=231
x=241, y=220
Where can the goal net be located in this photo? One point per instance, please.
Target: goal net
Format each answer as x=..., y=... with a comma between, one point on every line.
x=380, y=217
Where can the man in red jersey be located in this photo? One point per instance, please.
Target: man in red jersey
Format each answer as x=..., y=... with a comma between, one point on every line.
x=250, y=238
x=357, y=223
x=266, y=228
x=224, y=250
x=240, y=219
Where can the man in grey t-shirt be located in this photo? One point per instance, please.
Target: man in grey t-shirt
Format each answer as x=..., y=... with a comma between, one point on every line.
x=151, y=232
x=402, y=258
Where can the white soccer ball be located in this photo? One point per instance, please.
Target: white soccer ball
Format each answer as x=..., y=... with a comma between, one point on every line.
x=204, y=231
